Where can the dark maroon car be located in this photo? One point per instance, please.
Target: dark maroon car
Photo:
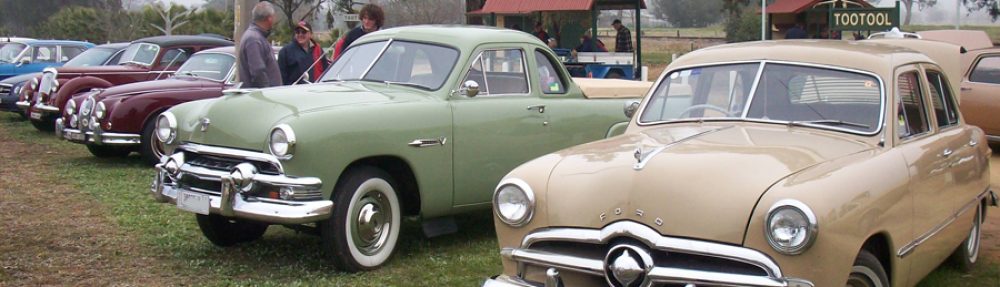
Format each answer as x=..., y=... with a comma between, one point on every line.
x=121, y=119
x=145, y=59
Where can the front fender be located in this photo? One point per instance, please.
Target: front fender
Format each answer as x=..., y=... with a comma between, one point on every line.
x=853, y=197
x=131, y=113
x=74, y=86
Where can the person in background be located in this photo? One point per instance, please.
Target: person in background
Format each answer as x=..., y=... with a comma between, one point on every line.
x=623, y=42
x=797, y=32
x=372, y=18
x=296, y=58
x=588, y=44
x=553, y=43
x=539, y=32
x=257, y=66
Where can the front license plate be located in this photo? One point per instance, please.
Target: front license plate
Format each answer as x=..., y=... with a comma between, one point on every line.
x=76, y=136
x=36, y=115
x=193, y=202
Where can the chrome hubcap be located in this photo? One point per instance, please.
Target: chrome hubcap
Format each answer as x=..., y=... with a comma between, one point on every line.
x=372, y=222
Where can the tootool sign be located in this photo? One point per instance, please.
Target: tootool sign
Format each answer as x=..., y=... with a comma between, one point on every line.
x=874, y=19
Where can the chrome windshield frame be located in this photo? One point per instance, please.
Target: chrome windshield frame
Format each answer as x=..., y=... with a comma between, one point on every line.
x=131, y=59
x=883, y=97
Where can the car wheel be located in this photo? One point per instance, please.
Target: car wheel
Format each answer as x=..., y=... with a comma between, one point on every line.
x=614, y=75
x=107, y=151
x=362, y=234
x=47, y=124
x=967, y=254
x=226, y=232
x=150, y=148
x=867, y=272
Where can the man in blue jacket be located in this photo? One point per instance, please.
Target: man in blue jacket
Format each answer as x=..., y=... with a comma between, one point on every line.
x=297, y=57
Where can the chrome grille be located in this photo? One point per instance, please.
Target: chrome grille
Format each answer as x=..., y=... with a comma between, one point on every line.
x=5, y=89
x=226, y=164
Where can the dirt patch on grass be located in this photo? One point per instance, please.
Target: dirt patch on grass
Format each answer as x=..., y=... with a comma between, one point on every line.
x=54, y=235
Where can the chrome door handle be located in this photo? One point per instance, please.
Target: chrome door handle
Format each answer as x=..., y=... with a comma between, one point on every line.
x=973, y=143
x=428, y=142
x=947, y=152
x=540, y=108
x=966, y=89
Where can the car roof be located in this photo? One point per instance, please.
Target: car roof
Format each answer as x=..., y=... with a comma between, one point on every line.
x=464, y=37
x=113, y=46
x=879, y=58
x=970, y=39
x=6, y=39
x=230, y=50
x=184, y=39
x=57, y=42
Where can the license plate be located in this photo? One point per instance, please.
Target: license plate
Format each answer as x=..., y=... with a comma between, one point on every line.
x=76, y=136
x=36, y=115
x=193, y=202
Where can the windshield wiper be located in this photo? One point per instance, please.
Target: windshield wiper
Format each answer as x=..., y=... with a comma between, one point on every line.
x=405, y=84
x=829, y=122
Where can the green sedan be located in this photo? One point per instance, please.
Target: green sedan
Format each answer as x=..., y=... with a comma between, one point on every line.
x=414, y=121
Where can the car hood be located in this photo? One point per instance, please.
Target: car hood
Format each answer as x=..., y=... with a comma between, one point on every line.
x=698, y=181
x=244, y=121
x=171, y=84
x=14, y=80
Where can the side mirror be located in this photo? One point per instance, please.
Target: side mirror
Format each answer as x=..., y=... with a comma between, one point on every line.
x=630, y=108
x=24, y=61
x=469, y=89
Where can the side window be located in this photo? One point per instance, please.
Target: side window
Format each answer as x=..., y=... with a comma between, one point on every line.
x=504, y=71
x=476, y=75
x=986, y=71
x=116, y=59
x=44, y=54
x=911, y=117
x=70, y=52
x=944, y=105
x=548, y=79
x=174, y=57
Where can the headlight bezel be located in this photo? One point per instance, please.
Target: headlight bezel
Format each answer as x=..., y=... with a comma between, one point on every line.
x=811, y=229
x=290, y=141
x=100, y=111
x=171, y=122
x=528, y=194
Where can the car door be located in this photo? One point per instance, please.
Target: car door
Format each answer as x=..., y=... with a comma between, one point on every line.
x=928, y=160
x=498, y=129
x=980, y=97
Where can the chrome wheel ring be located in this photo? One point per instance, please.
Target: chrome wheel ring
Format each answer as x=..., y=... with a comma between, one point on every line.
x=973, y=243
x=862, y=276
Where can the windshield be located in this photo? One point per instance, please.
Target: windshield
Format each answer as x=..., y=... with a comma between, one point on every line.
x=140, y=53
x=423, y=65
x=213, y=66
x=9, y=52
x=786, y=93
x=92, y=57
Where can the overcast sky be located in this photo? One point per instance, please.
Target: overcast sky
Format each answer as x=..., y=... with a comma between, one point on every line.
x=188, y=2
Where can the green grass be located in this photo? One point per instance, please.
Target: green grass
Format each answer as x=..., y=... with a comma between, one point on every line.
x=283, y=257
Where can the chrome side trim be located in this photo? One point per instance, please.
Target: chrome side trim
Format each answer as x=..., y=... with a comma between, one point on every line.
x=988, y=137
x=428, y=142
x=909, y=247
x=228, y=152
x=656, y=241
x=643, y=159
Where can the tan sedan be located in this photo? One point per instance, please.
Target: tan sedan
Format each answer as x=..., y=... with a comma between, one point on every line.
x=980, y=92
x=787, y=163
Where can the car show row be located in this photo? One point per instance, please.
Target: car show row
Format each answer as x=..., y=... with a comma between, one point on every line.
x=770, y=163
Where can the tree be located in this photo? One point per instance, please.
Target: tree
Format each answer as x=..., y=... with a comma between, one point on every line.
x=743, y=24
x=921, y=4
x=22, y=17
x=689, y=13
x=75, y=22
x=172, y=17
x=989, y=6
x=297, y=10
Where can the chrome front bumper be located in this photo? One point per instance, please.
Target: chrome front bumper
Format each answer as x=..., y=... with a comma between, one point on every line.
x=526, y=257
x=97, y=137
x=46, y=109
x=24, y=105
x=230, y=202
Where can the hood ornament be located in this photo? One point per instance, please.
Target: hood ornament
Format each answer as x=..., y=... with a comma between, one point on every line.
x=204, y=124
x=628, y=266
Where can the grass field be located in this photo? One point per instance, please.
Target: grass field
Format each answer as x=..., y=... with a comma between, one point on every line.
x=163, y=246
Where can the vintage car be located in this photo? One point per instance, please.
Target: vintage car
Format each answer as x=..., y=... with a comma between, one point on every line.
x=980, y=78
x=121, y=119
x=412, y=121
x=145, y=59
x=775, y=163
x=101, y=55
x=18, y=58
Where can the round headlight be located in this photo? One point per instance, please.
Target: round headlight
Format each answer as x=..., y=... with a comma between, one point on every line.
x=282, y=141
x=514, y=202
x=99, y=111
x=71, y=107
x=74, y=121
x=166, y=128
x=791, y=227
x=34, y=83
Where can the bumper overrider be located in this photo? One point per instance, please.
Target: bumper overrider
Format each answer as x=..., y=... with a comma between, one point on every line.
x=630, y=254
x=235, y=198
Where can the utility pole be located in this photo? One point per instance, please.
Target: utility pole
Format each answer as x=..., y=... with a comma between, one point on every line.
x=243, y=11
x=763, y=20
